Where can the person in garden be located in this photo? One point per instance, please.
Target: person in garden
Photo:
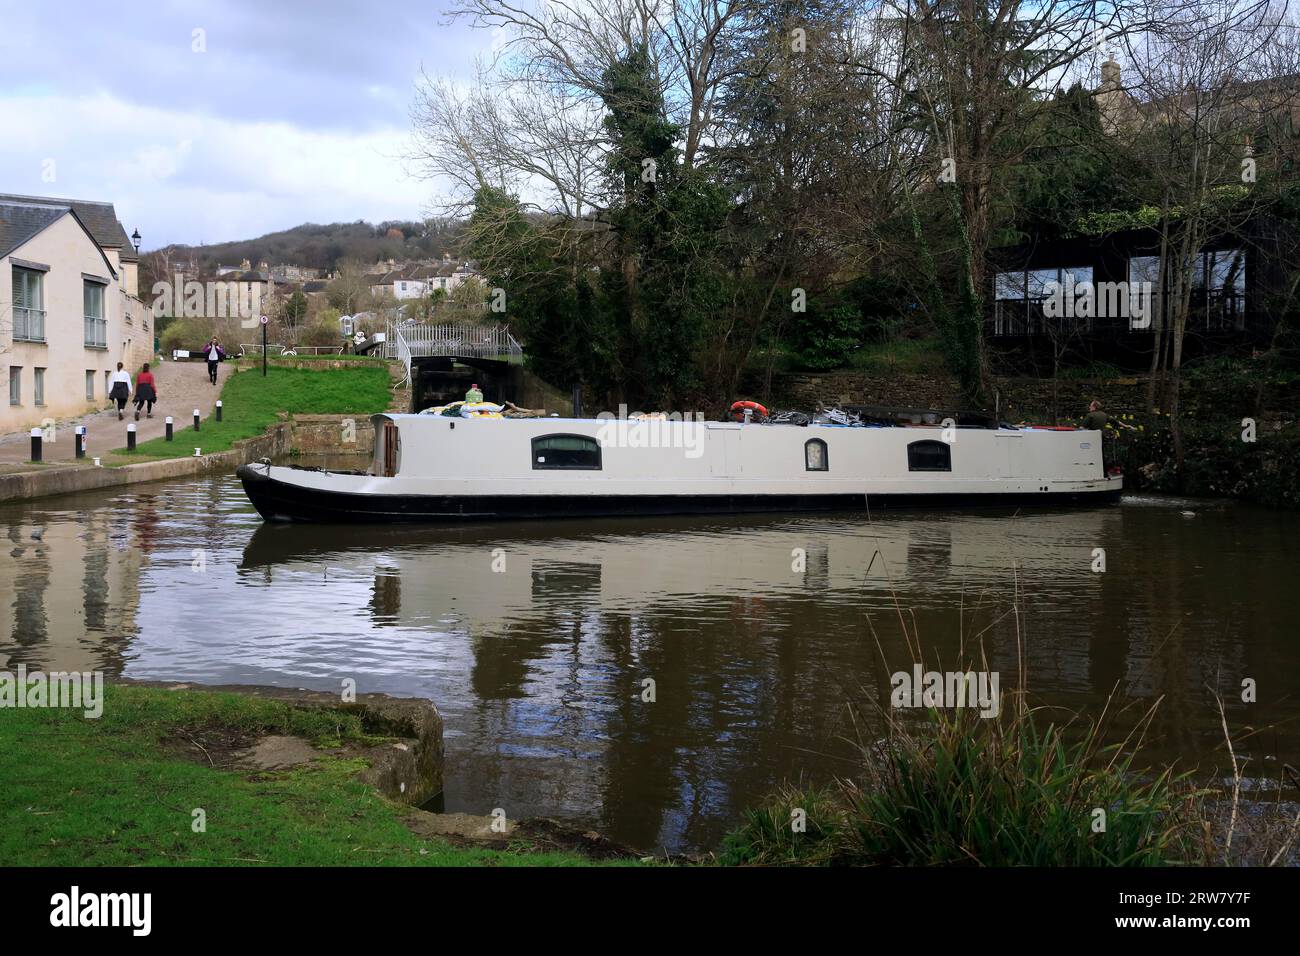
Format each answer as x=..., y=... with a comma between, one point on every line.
x=1097, y=419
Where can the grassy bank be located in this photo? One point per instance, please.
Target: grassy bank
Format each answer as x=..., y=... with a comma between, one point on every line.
x=252, y=402
x=118, y=791
x=952, y=788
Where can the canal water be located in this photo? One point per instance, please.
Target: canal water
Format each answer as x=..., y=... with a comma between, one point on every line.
x=652, y=678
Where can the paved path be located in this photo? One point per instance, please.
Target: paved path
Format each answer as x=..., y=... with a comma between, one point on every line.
x=182, y=387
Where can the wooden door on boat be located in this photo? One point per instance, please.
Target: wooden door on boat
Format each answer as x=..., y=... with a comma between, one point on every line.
x=390, y=448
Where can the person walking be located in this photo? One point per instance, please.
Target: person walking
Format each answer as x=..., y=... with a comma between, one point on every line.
x=119, y=389
x=214, y=353
x=474, y=395
x=146, y=392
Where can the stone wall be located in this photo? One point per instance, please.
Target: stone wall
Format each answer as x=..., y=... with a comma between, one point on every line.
x=332, y=434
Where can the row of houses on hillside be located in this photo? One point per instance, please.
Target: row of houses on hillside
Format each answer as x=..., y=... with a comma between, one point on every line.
x=420, y=280
x=69, y=307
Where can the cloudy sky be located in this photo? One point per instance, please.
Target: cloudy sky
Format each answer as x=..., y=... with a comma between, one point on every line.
x=279, y=112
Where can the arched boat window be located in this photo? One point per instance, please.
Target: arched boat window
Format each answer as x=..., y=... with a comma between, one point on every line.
x=929, y=456
x=814, y=455
x=566, y=452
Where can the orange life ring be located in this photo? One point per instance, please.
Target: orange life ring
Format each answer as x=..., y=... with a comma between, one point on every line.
x=738, y=410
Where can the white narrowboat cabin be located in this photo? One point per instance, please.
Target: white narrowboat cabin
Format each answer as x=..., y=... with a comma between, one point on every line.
x=436, y=468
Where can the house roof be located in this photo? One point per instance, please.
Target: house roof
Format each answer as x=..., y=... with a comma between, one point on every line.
x=20, y=221
x=99, y=219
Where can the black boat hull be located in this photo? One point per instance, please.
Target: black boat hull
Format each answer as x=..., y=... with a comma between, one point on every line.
x=277, y=500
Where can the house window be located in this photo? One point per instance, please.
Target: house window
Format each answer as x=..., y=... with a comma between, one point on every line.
x=929, y=456
x=1143, y=278
x=814, y=455
x=1020, y=299
x=96, y=324
x=29, y=305
x=90, y=385
x=38, y=386
x=566, y=452
x=15, y=384
x=1222, y=276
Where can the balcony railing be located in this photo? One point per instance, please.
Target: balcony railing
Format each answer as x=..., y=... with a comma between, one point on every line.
x=96, y=332
x=29, y=325
x=1219, y=310
x=1029, y=317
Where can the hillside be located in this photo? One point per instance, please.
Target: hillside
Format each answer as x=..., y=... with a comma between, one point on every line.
x=318, y=246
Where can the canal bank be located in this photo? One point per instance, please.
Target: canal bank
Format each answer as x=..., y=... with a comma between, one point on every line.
x=171, y=776
x=259, y=419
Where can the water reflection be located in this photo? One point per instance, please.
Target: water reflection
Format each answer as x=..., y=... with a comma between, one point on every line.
x=756, y=632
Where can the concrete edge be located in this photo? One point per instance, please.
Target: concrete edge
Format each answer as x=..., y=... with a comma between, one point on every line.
x=24, y=486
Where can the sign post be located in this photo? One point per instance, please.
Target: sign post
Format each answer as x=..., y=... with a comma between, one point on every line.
x=264, y=320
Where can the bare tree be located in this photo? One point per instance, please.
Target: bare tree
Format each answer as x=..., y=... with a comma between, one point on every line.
x=966, y=75
x=1207, y=80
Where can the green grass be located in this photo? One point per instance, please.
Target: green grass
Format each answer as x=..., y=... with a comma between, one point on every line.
x=110, y=792
x=914, y=356
x=251, y=403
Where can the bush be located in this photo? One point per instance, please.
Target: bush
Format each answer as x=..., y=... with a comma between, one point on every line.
x=192, y=334
x=827, y=336
x=321, y=332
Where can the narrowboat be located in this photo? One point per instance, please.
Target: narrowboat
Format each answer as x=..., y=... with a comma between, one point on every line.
x=434, y=468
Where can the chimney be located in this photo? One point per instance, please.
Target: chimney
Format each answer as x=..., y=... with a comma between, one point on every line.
x=1110, y=75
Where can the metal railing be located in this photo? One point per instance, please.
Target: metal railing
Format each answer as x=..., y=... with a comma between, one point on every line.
x=468, y=340
x=29, y=325
x=255, y=348
x=397, y=340
x=313, y=350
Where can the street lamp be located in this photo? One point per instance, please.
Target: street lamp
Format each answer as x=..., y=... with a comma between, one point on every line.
x=135, y=240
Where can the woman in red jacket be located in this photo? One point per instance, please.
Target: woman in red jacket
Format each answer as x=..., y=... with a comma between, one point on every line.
x=146, y=391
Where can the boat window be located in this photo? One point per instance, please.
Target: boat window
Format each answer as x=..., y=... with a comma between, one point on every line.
x=929, y=456
x=814, y=455
x=566, y=452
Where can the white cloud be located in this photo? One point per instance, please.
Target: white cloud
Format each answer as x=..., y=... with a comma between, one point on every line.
x=185, y=176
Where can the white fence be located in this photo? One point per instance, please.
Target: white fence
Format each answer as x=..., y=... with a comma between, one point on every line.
x=468, y=340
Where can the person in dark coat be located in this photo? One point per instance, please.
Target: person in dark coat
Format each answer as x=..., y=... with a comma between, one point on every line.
x=120, y=388
x=146, y=392
x=214, y=353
